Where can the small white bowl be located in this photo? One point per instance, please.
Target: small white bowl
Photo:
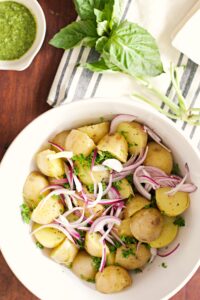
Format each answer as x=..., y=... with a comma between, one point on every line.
x=24, y=62
x=49, y=280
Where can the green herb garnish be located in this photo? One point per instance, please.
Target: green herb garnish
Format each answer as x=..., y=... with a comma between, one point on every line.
x=117, y=185
x=164, y=265
x=179, y=222
x=128, y=239
x=136, y=271
x=96, y=262
x=127, y=252
x=25, y=213
x=113, y=248
x=40, y=246
x=176, y=169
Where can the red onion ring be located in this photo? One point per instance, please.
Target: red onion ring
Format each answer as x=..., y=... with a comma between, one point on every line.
x=119, y=119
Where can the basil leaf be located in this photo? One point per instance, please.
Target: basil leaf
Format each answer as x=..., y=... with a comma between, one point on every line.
x=96, y=66
x=133, y=50
x=85, y=8
x=100, y=43
x=102, y=27
x=75, y=33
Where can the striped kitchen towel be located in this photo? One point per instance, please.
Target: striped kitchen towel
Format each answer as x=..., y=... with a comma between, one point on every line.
x=72, y=83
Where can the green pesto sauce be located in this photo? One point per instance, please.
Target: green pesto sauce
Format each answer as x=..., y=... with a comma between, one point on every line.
x=17, y=30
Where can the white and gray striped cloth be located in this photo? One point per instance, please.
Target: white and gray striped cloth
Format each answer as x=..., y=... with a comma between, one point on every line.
x=160, y=18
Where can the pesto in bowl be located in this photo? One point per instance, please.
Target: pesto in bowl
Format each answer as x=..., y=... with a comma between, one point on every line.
x=17, y=30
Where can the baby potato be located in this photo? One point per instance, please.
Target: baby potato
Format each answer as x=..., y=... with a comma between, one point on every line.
x=64, y=253
x=96, y=131
x=110, y=259
x=147, y=224
x=79, y=143
x=134, y=204
x=97, y=209
x=124, y=228
x=135, y=135
x=159, y=157
x=84, y=173
x=115, y=144
x=124, y=188
x=34, y=183
x=51, y=168
x=113, y=279
x=168, y=233
x=84, y=267
x=130, y=258
x=48, y=211
x=60, y=138
x=48, y=237
x=93, y=245
x=172, y=205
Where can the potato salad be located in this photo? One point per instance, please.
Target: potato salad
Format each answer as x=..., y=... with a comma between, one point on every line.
x=105, y=199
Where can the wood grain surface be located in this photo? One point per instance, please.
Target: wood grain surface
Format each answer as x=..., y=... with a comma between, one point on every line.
x=22, y=98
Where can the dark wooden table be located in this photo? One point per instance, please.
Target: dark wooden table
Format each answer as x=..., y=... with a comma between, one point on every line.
x=22, y=98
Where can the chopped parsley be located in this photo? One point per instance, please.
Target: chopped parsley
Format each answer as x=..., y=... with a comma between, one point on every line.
x=147, y=246
x=136, y=271
x=96, y=261
x=128, y=239
x=66, y=185
x=90, y=280
x=164, y=265
x=130, y=179
x=25, y=213
x=176, y=169
x=101, y=119
x=124, y=133
x=113, y=248
x=55, y=197
x=103, y=155
x=117, y=185
x=127, y=252
x=90, y=188
x=40, y=246
x=151, y=204
x=80, y=242
x=179, y=222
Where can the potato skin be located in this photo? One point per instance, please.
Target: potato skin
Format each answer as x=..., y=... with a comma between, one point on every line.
x=79, y=143
x=48, y=237
x=110, y=259
x=60, y=139
x=172, y=205
x=146, y=225
x=34, y=183
x=133, y=261
x=93, y=245
x=125, y=189
x=83, y=266
x=96, y=131
x=115, y=144
x=168, y=233
x=135, y=135
x=64, y=253
x=84, y=173
x=134, y=204
x=159, y=157
x=51, y=168
x=113, y=279
x=46, y=213
x=124, y=228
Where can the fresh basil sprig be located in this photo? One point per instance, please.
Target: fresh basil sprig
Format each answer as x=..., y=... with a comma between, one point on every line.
x=123, y=46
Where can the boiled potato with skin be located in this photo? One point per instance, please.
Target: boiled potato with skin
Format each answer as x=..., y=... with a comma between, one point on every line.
x=48, y=237
x=97, y=209
x=124, y=228
x=113, y=279
x=159, y=157
x=147, y=224
x=115, y=144
x=65, y=253
x=51, y=168
x=84, y=267
x=93, y=244
x=134, y=204
x=124, y=188
x=46, y=212
x=172, y=205
x=79, y=143
x=60, y=138
x=110, y=259
x=168, y=233
x=135, y=135
x=34, y=183
x=130, y=258
x=96, y=131
x=84, y=173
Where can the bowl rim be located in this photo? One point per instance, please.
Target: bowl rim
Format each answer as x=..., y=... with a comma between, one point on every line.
x=86, y=102
x=26, y=59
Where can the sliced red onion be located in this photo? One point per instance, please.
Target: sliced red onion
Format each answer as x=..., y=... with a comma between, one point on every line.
x=130, y=161
x=85, y=222
x=50, y=187
x=117, y=237
x=113, y=164
x=138, y=185
x=77, y=183
x=138, y=161
x=181, y=183
x=150, y=181
x=109, y=202
x=154, y=252
x=68, y=202
x=55, y=192
x=63, y=154
x=155, y=137
x=119, y=119
x=103, y=259
x=108, y=186
x=188, y=188
x=64, y=222
x=99, y=195
x=94, y=158
x=69, y=175
x=113, y=193
x=99, y=168
x=59, y=148
x=99, y=223
x=138, y=247
x=170, y=252
x=59, y=181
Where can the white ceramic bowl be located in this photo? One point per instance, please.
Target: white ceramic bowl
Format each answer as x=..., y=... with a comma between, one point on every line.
x=47, y=279
x=25, y=61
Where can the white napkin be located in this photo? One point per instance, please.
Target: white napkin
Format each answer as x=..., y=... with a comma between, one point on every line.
x=160, y=18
